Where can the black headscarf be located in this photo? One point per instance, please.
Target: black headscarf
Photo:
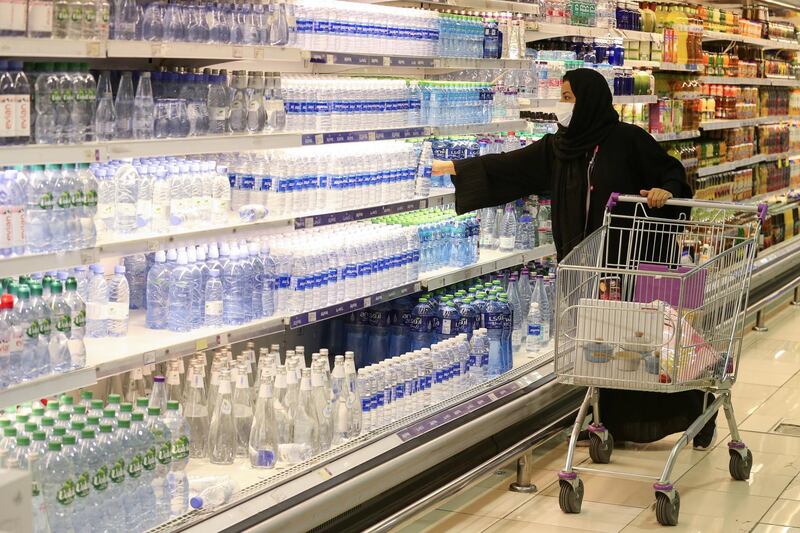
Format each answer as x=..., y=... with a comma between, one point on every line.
x=593, y=117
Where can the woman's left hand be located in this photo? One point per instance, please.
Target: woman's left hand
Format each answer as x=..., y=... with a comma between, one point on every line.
x=656, y=197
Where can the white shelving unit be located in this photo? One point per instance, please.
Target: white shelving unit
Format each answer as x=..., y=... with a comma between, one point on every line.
x=741, y=163
x=722, y=123
x=109, y=356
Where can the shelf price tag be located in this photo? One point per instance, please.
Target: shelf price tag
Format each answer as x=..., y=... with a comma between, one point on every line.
x=201, y=344
x=258, y=52
x=149, y=358
x=93, y=48
x=238, y=52
x=156, y=49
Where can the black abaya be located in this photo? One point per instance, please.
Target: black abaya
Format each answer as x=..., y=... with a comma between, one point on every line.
x=626, y=160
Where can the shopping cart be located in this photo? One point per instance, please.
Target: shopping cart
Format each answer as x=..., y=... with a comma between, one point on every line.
x=652, y=304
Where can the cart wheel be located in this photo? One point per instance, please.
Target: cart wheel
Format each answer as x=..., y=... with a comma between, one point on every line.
x=740, y=466
x=600, y=451
x=570, y=498
x=667, y=511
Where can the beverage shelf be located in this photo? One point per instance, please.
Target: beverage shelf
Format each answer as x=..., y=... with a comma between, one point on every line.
x=489, y=261
x=676, y=136
x=105, y=151
x=545, y=30
x=177, y=50
x=741, y=163
x=15, y=266
x=769, y=82
x=544, y=104
x=25, y=47
x=114, y=355
x=746, y=39
x=722, y=123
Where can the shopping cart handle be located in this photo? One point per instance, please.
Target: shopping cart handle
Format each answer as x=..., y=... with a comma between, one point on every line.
x=761, y=208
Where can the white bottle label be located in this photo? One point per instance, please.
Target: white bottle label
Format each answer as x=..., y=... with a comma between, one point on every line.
x=507, y=242
x=5, y=227
x=8, y=113
x=96, y=311
x=214, y=308
x=138, y=373
x=446, y=326
x=22, y=122
x=241, y=381
x=173, y=378
x=17, y=217
x=5, y=345
x=197, y=381
x=17, y=340
x=218, y=113
x=117, y=311
x=19, y=15
x=40, y=16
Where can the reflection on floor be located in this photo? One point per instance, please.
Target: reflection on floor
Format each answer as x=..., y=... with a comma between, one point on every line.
x=767, y=394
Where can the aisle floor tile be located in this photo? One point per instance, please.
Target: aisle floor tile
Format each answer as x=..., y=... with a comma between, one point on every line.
x=612, y=490
x=792, y=492
x=594, y=516
x=783, y=513
x=515, y=526
x=769, y=528
x=743, y=507
x=689, y=523
x=483, y=502
x=769, y=476
x=773, y=443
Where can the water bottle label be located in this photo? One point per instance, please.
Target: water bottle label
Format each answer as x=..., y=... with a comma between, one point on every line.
x=466, y=324
x=66, y=493
x=149, y=459
x=33, y=329
x=439, y=376
x=225, y=406
x=493, y=320
x=365, y=405
x=265, y=458
x=17, y=340
x=135, y=466
x=164, y=453
x=100, y=479
x=485, y=360
x=80, y=319
x=214, y=308
x=173, y=378
x=117, y=311
x=535, y=330
x=46, y=201
x=63, y=323
x=82, y=485
x=180, y=447
x=117, y=472
x=446, y=326
x=218, y=114
x=399, y=391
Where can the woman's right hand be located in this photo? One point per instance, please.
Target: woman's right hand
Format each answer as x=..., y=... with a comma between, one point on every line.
x=442, y=167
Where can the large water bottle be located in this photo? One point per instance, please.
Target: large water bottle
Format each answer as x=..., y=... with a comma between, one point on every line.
x=518, y=325
x=145, y=444
x=213, y=299
x=37, y=213
x=177, y=479
x=378, y=343
x=162, y=457
x=118, y=303
x=58, y=488
x=87, y=183
x=143, y=108
x=131, y=466
x=126, y=193
x=180, y=295
x=124, y=106
x=90, y=473
x=97, y=303
x=421, y=325
x=218, y=103
x=237, y=121
x=233, y=283
x=448, y=318
x=27, y=328
x=126, y=17
x=493, y=319
x=539, y=296
x=508, y=229
x=105, y=118
x=158, y=286
x=135, y=273
x=65, y=225
x=61, y=325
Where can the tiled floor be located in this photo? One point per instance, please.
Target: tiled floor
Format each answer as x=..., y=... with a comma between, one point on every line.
x=766, y=394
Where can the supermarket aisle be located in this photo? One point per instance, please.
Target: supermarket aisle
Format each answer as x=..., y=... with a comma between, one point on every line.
x=767, y=393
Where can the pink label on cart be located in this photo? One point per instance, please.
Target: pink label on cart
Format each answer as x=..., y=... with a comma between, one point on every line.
x=650, y=288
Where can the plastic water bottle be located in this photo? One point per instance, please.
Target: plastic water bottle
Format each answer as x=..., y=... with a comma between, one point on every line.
x=421, y=325
x=105, y=118
x=539, y=296
x=61, y=324
x=448, y=320
x=118, y=303
x=92, y=480
x=180, y=295
x=37, y=213
x=125, y=17
x=135, y=273
x=143, y=108
x=125, y=195
x=177, y=480
x=213, y=496
x=493, y=319
x=233, y=286
x=124, y=105
x=518, y=325
x=508, y=229
x=158, y=283
x=58, y=488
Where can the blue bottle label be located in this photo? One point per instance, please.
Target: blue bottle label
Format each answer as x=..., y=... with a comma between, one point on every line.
x=494, y=320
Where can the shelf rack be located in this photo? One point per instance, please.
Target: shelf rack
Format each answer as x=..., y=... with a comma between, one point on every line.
x=114, y=355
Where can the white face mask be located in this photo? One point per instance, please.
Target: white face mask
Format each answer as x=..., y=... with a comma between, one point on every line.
x=564, y=112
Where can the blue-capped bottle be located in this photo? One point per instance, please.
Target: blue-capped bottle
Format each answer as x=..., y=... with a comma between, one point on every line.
x=179, y=316
x=469, y=320
x=494, y=322
x=508, y=328
x=448, y=317
x=421, y=325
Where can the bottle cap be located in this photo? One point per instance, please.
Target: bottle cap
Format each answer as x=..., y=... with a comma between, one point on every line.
x=54, y=446
x=153, y=411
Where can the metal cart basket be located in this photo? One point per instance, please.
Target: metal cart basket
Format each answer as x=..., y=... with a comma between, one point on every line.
x=653, y=304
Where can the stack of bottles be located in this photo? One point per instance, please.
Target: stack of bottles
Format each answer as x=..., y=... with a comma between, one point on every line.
x=154, y=195
x=107, y=466
x=297, y=181
x=515, y=227
x=87, y=19
x=47, y=208
x=502, y=306
x=445, y=239
x=42, y=326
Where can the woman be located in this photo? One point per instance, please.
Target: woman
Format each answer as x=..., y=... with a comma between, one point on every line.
x=590, y=156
